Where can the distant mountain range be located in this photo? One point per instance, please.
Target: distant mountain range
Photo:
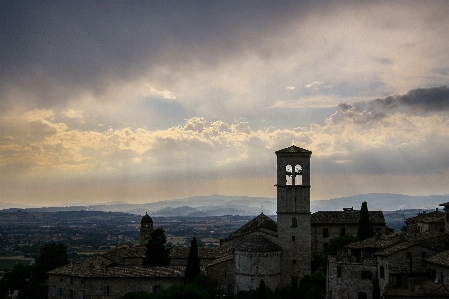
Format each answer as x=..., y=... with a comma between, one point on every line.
x=217, y=205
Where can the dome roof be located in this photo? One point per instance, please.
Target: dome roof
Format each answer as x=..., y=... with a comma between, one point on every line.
x=146, y=219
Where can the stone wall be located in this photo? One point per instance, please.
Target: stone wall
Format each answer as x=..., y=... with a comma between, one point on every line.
x=349, y=276
x=224, y=273
x=252, y=267
x=397, y=266
x=318, y=239
x=105, y=288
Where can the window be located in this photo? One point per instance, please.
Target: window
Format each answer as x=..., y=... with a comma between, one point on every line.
x=71, y=280
x=82, y=294
x=293, y=261
x=108, y=291
x=409, y=254
x=257, y=269
x=71, y=294
x=288, y=175
x=338, y=271
x=294, y=222
x=157, y=289
x=132, y=289
x=61, y=292
x=366, y=275
x=293, y=238
x=325, y=232
x=342, y=231
x=325, y=246
x=423, y=254
x=298, y=175
x=53, y=291
x=224, y=273
x=381, y=272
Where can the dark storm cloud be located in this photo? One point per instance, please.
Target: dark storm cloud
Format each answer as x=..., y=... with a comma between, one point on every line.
x=88, y=44
x=420, y=100
x=424, y=99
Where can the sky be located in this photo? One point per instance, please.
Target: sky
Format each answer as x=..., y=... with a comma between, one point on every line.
x=142, y=101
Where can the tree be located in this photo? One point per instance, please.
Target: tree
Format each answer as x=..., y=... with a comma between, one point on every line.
x=366, y=229
x=52, y=256
x=193, y=261
x=157, y=254
x=262, y=292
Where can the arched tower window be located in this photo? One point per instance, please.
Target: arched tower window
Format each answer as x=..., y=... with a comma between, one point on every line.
x=298, y=174
x=288, y=175
x=294, y=222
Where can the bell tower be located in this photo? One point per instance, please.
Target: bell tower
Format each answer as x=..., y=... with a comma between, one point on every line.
x=146, y=228
x=293, y=212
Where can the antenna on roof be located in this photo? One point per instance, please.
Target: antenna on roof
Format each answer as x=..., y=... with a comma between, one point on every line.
x=262, y=210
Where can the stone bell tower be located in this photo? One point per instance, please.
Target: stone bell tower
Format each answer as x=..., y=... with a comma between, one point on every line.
x=293, y=213
x=146, y=228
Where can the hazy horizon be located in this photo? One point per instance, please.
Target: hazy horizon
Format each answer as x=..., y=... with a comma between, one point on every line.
x=142, y=101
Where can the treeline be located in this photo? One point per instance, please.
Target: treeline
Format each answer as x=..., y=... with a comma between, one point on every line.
x=30, y=280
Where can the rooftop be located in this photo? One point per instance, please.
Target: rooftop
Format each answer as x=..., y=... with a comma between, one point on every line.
x=260, y=222
x=99, y=266
x=345, y=217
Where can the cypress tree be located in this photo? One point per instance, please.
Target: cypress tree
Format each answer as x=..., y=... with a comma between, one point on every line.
x=157, y=254
x=193, y=262
x=366, y=229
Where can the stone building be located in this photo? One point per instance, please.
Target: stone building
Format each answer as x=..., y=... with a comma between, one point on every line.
x=279, y=253
x=326, y=225
x=426, y=221
x=100, y=277
x=401, y=265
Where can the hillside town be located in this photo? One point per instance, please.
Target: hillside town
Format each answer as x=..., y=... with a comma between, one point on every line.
x=371, y=261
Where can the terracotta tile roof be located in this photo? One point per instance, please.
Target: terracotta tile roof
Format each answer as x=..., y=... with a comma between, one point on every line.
x=203, y=252
x=125, y=251
x=260, y=222
x=257, y=243
x=430, y=240
x=429, y=215
x=376, y=242
x=441, y=259
x=98, y=266
x=223, y=259
x=345, y=217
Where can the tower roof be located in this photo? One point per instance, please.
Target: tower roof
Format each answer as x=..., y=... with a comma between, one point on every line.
x=258, y=244
x=293, y=150
x=146, y=219
x=261, y=221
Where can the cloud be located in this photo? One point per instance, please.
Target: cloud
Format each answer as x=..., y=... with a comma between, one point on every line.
x=421, y=100
x=72, y=113
x=314, y=84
